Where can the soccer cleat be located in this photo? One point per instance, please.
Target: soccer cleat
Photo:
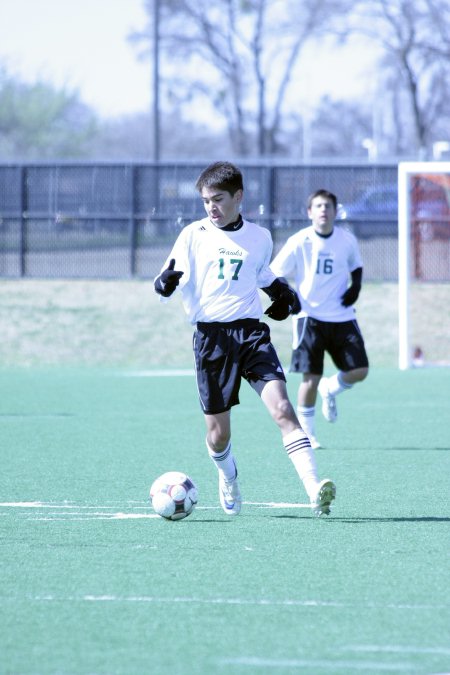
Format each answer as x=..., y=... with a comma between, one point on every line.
x=329, y=409
x=325, y=494
x=230, y=496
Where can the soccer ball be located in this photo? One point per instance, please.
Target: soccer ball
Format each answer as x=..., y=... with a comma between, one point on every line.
x=173, y=495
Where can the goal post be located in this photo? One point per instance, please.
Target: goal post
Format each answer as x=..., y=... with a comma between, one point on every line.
x=423, y=247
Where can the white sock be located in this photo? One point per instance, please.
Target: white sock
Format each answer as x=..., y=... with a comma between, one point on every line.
x=224, y=462
x=336, y=384
x=302, y=456
x=306, y=417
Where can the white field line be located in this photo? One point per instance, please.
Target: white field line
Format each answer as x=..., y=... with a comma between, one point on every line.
x=396, y=649
x=278, y=505
x=339, y=664
x=70, y=505
x=97, y=516
x=254, y=662
x=53, y=505
x=33, y=505
x=255, y=602
x=67, y=511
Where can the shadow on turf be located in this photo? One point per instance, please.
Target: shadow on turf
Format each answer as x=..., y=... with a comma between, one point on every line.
x=409, y=519
x=417, y=449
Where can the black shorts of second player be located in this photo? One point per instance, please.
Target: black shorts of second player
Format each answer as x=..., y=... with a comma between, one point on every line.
x=227, y=352
x=343, y=342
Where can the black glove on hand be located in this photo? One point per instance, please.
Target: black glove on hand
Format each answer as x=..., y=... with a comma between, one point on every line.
x=285, y=301
x=351, y=295
x=168, y=280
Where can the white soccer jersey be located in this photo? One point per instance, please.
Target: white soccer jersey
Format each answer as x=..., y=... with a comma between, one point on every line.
x=321, y=267
x=222, y=270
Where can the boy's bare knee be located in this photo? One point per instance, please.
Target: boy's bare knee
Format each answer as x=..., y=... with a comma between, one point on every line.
x=284, y=410
x=218, y=440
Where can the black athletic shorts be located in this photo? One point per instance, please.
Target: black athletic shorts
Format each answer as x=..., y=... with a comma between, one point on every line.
x=343, y=342
x=227, y=352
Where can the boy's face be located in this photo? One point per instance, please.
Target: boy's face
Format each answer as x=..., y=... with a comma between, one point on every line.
x=221, y=207
x=322, y=213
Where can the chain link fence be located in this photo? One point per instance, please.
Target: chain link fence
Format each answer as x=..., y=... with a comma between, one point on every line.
x=118, y=220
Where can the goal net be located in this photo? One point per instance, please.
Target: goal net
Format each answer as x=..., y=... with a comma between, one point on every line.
x=424, y=263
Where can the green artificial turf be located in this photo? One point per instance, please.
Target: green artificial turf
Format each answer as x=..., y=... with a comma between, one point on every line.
x=93, y=582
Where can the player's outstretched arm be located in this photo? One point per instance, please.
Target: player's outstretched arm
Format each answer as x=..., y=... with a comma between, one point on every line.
x=351, y=294
x=167, y=281
x=285, y=300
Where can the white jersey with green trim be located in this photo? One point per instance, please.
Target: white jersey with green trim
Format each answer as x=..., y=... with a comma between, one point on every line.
x=222, y=270
x=321, y=267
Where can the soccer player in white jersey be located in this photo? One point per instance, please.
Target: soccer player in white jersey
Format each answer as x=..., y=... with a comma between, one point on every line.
x=323, y=259
x=220, y=263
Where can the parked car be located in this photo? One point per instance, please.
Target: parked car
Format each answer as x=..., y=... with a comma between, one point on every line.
x=375, y=212
x=372, y=214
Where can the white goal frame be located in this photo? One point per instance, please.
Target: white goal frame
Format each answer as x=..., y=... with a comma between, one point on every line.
x=405, y=171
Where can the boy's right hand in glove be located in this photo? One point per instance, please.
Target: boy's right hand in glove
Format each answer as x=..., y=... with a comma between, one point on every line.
x=168, y=280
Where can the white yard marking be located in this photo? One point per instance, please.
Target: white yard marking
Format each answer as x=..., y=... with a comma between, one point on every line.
x=131, y=516
x=52, y=505
x=396, y=649
x=159, y=373
x=186, y=600
x=47, y=511
x=278, y=505
x=68, y=511
x=98, y=516
x=254, y=602
x=26, y=505
x=315, y=664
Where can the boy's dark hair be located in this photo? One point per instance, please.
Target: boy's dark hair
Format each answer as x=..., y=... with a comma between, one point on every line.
x=223, y=175
x=323, y=193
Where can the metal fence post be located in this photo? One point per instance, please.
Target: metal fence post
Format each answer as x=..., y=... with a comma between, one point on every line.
x=23, y=221
x=271, y=197
x=133, y=224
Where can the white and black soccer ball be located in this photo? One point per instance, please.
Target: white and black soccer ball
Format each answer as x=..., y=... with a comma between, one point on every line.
x=173, y=495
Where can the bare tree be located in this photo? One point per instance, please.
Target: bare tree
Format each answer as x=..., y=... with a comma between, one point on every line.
x=439, y=17
x=339, y=129
x=238, y=57
x=415, y=38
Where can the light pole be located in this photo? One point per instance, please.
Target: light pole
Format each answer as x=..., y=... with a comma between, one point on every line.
x=439, y=148
x=371, y=147
x=156, y=130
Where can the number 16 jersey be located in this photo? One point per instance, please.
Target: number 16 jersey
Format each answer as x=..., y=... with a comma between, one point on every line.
x=321, y=266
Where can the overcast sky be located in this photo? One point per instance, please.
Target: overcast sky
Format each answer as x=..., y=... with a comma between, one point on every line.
x=82, y=44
